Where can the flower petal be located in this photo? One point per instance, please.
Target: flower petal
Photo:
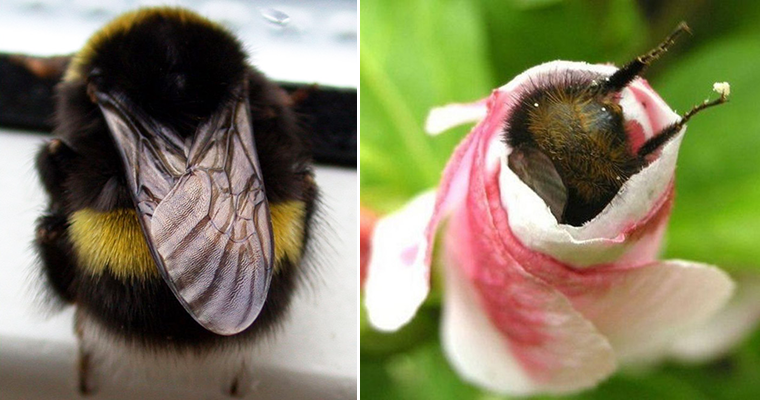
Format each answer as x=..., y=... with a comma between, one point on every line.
x=366, y=227
x=525, y=338
x=397, y=283
x=728, y=327
x=528, y=293
x=533, y=339
x=643, y=310
x=640, y=308
x=449, y=116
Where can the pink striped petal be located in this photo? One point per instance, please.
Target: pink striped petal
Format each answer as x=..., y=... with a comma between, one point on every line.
x=506, y=330
x=539, y=335
x=398, y=283
x=606, y=269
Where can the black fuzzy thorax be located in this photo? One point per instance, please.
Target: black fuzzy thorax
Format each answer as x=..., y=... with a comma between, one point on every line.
x=86, y=171
x=583, y=134
x=516, y=131
x=176, y=71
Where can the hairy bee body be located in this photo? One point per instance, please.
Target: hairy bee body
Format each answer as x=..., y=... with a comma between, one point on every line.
x=570, y=141
x=583, y=134
x=179, y=69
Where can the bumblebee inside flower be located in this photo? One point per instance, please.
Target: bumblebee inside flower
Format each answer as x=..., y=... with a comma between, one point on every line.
x=555, y=207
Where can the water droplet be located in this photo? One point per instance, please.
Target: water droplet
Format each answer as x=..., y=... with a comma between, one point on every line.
x=604, y=109
x=535, y=104
x=276, y=17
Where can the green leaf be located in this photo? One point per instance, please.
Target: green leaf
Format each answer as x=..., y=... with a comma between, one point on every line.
x=420, y=374
x=414, y=56
x=592, y=31
x=379, y=345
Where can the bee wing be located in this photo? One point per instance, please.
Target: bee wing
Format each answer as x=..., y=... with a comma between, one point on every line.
x=203, y=210
x=538, y=172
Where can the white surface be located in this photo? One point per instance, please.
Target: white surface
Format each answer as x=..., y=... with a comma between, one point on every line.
x=318, y=44
x=313, y=357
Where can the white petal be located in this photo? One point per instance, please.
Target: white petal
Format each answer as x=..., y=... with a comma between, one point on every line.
x=647, y=308
x=449, y=116
x=727, y=328
x=553, y=67
x=397, y=280
x=577, y=357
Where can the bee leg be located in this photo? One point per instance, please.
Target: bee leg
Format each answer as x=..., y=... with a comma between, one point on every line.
x=86, y=371
x=53, y=161
x=86, y=386
x=54, y=248
x=55, y=252
x=241, y=383
x=625, y=75
x=662, y=137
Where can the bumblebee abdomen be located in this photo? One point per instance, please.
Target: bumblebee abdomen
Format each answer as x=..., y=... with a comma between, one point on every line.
x=111, y=240
x=288, y=226
x=118, y=283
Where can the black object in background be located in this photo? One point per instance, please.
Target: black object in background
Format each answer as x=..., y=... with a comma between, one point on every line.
x=27, y=86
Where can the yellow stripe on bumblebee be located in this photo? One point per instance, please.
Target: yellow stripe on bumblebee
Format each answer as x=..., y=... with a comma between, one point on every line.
x=113, y=240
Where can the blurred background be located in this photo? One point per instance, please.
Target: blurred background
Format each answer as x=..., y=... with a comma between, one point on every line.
x=416, y=55
x=289, y=40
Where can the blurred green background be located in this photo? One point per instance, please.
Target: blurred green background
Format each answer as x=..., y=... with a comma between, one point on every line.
x=419, y=54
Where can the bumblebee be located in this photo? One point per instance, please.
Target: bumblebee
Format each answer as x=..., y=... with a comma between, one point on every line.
x=180, y=191
x=569, y=142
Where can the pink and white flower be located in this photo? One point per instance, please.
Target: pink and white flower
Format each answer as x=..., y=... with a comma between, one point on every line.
x=531, y=305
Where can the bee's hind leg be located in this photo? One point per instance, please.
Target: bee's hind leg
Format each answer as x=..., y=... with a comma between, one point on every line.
x=242, y=381
x=86, y=380
x=86, y=377
x=55, y=251
x=53, y=163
